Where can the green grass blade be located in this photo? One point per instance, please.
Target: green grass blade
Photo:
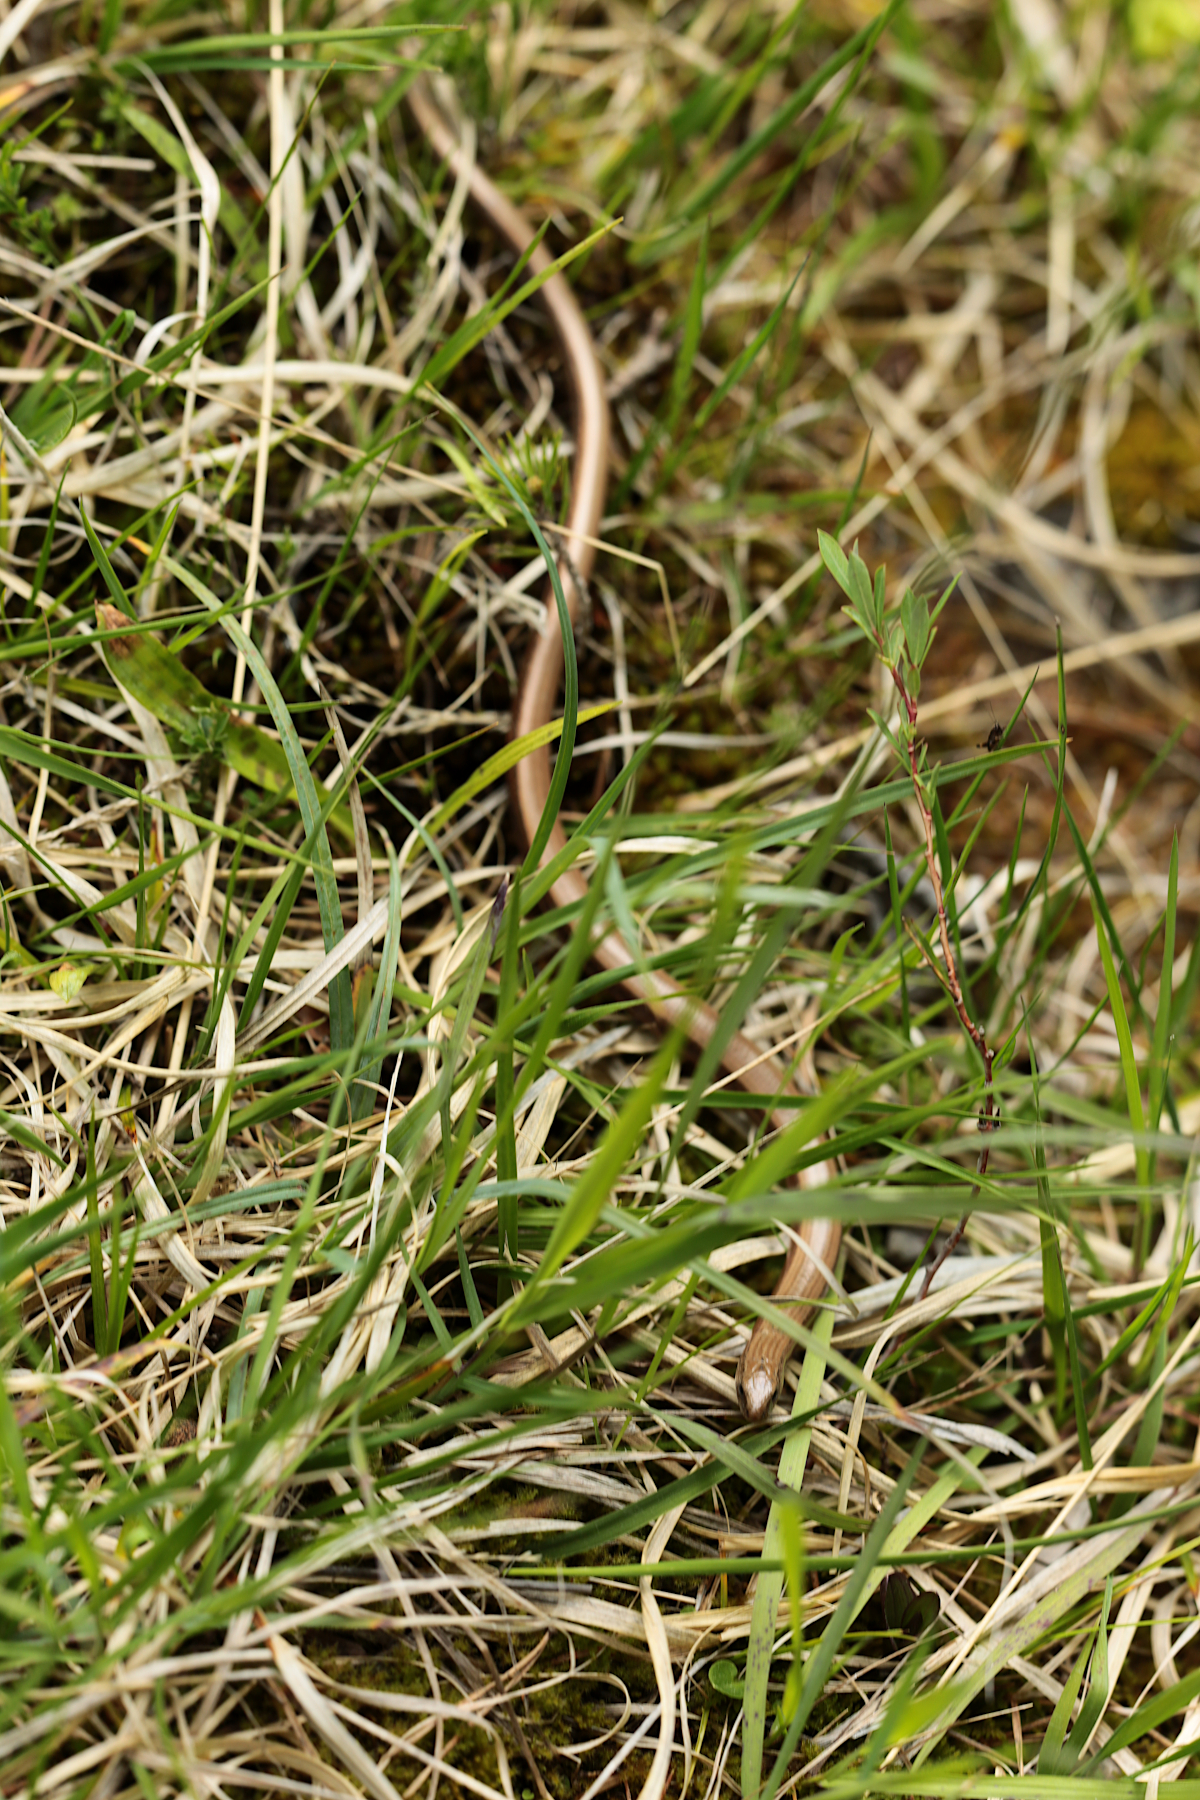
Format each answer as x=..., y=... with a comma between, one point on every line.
x=765, y=1608
x=121, y=1272
x=566, y=748
x=744, y=360
x=1078, y=1576
x=95, y=1252
x=146, y=669
x=681, y=380
x=1147, y=1718
x=363, y=1098
x=341, y=1005
x=821, y=1657
x=474, y=329
x=23, y=1134
x=508, y=1211
x=1096, y=1697
x=588, y=1195
x=1160, y=1053
x=860, y=46
x=1129, y=1068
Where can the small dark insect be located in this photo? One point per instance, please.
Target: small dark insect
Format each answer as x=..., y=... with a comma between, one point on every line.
x=498, y=912
x=993, y=738
x=908, y=1610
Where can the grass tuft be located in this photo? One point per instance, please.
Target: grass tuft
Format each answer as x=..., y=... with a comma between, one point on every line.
x=372, y=1271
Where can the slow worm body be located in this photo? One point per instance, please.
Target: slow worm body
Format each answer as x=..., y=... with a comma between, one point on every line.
x=815, y=1244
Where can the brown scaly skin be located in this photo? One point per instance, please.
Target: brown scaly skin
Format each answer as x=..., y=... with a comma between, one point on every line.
x=815, y=1245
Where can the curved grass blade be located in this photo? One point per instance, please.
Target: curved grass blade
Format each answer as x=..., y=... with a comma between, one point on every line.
x=1076, y=1577
x=341, y=1006
x=586, y=1200
x=821, y=1658
x=1160, y=1054
x=1129, y=1067
x=362, y=1093
x=765, y=1609
x=157, y=680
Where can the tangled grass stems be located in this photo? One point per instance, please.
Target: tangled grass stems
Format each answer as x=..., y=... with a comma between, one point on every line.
x=372, y=1280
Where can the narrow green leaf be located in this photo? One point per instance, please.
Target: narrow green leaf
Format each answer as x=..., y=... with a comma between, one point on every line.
x=769, y=1167
x=862, y=589
x=820, y=1661
x=363, y=1097
x=1147, y=1717
x=1053, y=1759
x=1097, y=1696
x=667, y=433
x=15, y=1473
x=791, y=1550
x=834, y=558
x=23, y=1134
x=508, y=1211
x=582, y=1210
x=914, y=613
x=470, y=1291
x=798, y=100
x=769, y=1583
x=1079, y=1574
x=95, y=1251
x=1058, y=773
x=735, y=373
x=274, y=912
x=1161, y=1046
x=121, y=1271
x=341, y=1006
x=1129, y=1068
x=145, y=668
x=474, y=329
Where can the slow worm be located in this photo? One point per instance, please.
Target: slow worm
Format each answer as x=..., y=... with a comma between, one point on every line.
x=815, y=1245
